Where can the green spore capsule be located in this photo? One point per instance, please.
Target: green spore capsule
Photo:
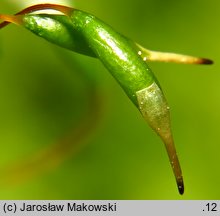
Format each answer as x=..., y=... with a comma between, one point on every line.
x=98, y=40
x=121, y=58
x=86, y=34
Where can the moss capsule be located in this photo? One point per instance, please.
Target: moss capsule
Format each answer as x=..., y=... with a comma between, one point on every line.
x=86, y=34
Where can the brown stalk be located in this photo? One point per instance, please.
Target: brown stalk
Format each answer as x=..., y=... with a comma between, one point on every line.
x=64, y=9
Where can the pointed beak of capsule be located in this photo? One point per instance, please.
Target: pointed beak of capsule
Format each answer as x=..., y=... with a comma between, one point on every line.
x=155, y=110
x=151, y=55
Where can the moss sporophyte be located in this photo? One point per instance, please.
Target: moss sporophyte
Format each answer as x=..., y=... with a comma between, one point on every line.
x=126, y=60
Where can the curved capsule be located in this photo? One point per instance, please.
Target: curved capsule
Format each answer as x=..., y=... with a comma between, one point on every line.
x=113, y=49
x=121, y=58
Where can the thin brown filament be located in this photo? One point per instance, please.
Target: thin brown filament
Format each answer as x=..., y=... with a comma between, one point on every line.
x=11, y=19
x=64, y=9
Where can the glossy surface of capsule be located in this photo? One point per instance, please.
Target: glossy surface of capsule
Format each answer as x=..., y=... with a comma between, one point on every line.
x=96, y=39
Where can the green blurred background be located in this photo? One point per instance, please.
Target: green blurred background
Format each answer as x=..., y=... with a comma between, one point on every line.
x=44, y=97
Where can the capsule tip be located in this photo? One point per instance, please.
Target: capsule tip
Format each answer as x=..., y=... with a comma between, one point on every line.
x=205, y=61
x=181, y=187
